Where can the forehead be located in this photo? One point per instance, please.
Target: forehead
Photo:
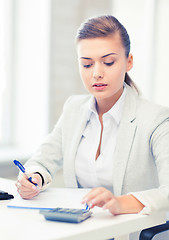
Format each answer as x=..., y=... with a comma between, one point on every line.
x=95, y=47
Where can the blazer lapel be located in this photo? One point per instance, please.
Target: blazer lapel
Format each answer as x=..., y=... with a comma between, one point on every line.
x=81, y=119
x=125, y=139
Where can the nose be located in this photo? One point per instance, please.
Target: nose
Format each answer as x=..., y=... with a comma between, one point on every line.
x=98, y=71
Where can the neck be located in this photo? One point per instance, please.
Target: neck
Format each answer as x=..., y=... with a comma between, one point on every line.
x=104, y=105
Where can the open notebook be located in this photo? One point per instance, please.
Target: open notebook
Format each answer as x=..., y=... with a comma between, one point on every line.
x=52, y=198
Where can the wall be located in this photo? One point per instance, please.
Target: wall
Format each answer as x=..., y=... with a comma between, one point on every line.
x=138, y=19
x=66, y=17
x=147, y=24
x=161, y=77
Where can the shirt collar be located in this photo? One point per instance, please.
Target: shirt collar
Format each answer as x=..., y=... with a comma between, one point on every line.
x=115, y=111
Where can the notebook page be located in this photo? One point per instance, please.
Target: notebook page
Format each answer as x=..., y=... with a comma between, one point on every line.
x=52, y=198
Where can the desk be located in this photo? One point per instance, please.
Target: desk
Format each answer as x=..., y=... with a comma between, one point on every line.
x=25, y=224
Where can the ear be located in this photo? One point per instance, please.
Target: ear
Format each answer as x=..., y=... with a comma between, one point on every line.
x=129, y=62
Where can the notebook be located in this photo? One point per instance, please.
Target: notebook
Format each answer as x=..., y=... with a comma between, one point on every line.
x=52, y=198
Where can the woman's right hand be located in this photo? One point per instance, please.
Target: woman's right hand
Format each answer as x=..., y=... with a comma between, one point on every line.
x=25, y=188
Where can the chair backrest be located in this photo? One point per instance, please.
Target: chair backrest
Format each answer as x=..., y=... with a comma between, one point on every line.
x=149, y=233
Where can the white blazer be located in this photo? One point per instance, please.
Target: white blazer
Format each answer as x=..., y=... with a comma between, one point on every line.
x=141, y=162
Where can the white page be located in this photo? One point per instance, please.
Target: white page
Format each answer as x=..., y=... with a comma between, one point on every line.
x=52, y=198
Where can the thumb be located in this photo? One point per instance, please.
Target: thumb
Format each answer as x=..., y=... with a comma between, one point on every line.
x=36, y=178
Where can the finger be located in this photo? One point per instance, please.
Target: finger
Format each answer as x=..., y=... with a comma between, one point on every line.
x=23, y=180
x=25, y=189
x=101, y=199
x=26, y=192
x=27, y=195
x=97, y=197
x=113, y=206
x=36, y=178
x=92, y=194
x=30, y=185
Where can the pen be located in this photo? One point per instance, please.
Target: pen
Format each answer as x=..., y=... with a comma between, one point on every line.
x=87, y=207
x=21, y=167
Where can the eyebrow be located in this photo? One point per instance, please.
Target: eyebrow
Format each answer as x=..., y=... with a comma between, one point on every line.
x=101, y=57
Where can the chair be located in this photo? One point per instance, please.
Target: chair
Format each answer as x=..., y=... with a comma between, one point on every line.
x=149, y=233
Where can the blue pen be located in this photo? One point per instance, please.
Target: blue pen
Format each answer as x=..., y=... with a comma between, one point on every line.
x=21, y=167
x=87, y=207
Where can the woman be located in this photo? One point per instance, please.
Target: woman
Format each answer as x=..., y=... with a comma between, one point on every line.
x=112, y=140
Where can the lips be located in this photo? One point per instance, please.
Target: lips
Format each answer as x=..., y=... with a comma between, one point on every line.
x=99, y=86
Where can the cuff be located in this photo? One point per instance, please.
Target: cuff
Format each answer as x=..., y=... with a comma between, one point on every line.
x=46, y=176
x=41, y=177
x=147, y=209
x=153, y=200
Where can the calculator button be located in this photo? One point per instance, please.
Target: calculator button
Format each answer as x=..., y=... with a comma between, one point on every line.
x=56, y=209
x=75, y=211
x=67, y=210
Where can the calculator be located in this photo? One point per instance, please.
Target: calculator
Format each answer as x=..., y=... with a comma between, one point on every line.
x=66, y=214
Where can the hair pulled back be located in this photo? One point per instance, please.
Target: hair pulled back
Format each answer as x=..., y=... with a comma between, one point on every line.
x=104, y=26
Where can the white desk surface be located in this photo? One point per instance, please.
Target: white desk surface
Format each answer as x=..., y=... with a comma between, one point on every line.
x=25, y=224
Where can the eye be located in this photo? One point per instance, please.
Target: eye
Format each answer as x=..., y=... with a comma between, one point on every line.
x=87, y=65
x=109, y=64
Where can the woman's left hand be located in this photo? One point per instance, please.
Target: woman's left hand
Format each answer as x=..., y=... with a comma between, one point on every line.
x=101, y=197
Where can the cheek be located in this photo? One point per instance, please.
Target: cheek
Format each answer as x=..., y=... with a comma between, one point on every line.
x=85, y=75
x=82, y=75
x=119, y=73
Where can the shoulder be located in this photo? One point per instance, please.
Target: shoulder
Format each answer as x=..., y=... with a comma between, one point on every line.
x=151, y=110
x=150, y=116
x=143, y=110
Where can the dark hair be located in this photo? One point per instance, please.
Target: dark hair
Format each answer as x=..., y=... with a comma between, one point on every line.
x=104, y=26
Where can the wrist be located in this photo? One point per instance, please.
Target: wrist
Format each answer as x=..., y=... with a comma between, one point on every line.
x=129, y=204
x=41, y=177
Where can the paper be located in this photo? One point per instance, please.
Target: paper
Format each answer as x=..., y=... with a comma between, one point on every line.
x=52, y=198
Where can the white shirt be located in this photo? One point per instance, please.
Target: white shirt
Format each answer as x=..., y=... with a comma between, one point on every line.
x=89, y=171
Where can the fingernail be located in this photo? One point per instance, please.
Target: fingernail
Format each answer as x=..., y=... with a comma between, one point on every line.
x=34, y=180
x=84, y=200
x=90, y=205
x=104, y=207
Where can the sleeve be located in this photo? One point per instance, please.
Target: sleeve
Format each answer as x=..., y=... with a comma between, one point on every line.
x=158, y=199
x=48, y=159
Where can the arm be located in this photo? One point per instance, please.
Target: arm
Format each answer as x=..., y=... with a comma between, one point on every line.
x=48, y=158
x=145, y=201
x=130, y=204
x=42, y=165
x=157, y=199
x=102, y=197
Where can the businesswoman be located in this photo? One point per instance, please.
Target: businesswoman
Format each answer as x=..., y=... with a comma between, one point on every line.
x=112, y=140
